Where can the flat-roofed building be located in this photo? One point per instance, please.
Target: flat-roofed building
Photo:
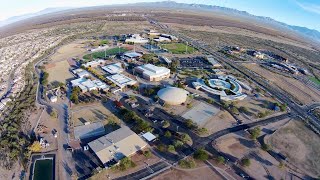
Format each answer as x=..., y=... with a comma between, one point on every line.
x=121, y=80
x=115, y=68
x=94, y=63
x=89, y=131
x=117, y=145
x=151, y=72
x=89, y=85
x=136, y=38
x=83, y=73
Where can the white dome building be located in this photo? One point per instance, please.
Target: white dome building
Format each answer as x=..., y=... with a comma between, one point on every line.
x=173, y=95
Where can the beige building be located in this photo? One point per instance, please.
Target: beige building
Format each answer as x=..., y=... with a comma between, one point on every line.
x=117, y=145
x=151, y=72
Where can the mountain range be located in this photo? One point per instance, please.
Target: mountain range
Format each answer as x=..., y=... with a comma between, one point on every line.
x=306, y=32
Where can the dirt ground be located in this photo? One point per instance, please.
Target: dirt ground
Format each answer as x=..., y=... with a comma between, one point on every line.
x=138, y=159
x=299, y=144
x=200, y=173
x=58, y=67
x=59, y=71
x=132, y=27
x=297, y=89
x=92, y=113
x=221, y=120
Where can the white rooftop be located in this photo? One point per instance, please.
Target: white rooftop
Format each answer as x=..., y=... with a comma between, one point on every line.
x=149, y=136
x=113, y=68
x=121, y=80
x=152, y=70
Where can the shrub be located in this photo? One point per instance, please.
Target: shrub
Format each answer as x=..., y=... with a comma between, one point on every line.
x=221, y=159
x=187, y=163
x=171, y=148
x=245, y=162
x=161, y=147
x=167, y=134
x=265, y=147
x=125, y=164
x=255, y=133
x=147, y=154
x=166, y=124
x=201, y=154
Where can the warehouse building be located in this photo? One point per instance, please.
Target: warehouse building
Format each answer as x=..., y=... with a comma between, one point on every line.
x=117, y=145
x=151, y=72
x=121, y=80
x=115, y=68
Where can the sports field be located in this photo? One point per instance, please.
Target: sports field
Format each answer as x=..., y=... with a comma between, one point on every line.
x=178, y=48
x=102, y=54
x=315, y=80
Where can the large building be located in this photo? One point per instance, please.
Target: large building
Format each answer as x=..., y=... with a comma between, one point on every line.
x=121, y=80
x=117, y=145
x=153, y=73
x=136, y=38
x=173, y=95
x=88, y=85
x=89, y=131
x=115, y=68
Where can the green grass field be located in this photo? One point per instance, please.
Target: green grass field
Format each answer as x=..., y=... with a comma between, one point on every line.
x=315, y=80
x=101, y=54
x=178, y=48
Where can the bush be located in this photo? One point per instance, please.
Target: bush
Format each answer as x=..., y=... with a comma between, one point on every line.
x=255, y=133
x=221, y=159
x=166, y=124
x=201, y=154
x=167, y=134
x=245, y=162
x=171, y=148
x=177, y=144
x=187, y=163
x=147, y=154
x=161, y=147
x=125, y=164
x=35, y=147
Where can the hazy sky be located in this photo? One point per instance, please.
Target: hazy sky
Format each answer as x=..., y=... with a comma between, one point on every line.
x=294, y=12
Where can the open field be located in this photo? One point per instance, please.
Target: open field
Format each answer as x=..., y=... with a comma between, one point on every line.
x=299, y=144
x=92, y=113
x=295, y=88
x=68, y=51
x=102, y=54
x=178, y=48
x=58, y=71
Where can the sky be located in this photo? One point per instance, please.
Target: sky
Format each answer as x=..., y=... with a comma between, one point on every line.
x=294, y=12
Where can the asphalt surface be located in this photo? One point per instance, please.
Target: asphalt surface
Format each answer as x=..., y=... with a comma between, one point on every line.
x=149, y=170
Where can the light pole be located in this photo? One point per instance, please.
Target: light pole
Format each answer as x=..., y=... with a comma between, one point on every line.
x=177, y=128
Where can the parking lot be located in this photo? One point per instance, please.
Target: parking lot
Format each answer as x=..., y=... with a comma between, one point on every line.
x=194, y=63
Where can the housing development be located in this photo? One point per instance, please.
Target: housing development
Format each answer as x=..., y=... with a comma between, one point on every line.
x=143, y=93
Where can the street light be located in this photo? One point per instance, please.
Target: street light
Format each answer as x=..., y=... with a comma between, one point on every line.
x=177, y=128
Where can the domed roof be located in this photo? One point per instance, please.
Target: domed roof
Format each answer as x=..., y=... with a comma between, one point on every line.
x=173, y=95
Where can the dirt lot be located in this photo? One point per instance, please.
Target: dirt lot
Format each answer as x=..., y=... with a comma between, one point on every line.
x=114, y=27
x=138, y=159
x=297, y=89
x=59, y=71
x=221, y=120
x=92, y=113
x=58, y=68
x=201, y=173
x=300, y=145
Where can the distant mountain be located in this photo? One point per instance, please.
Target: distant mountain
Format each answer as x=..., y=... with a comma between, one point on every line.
x=306, y=32
x=30, y=15
x=311, y=34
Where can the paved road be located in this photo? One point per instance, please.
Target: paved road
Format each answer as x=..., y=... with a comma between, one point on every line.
x=146, y=172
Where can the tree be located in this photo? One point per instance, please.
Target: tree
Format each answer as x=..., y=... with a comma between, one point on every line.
x=129, y=115
x=147, y=154
x=185, y=138
x=255, y=133
x=201, y=154
x=245, y=162
x=166, y=124
x=125, y=164
x=53, y=113
x=187, y=163
x=177, y=144
x=202, y=131
x=189, y=123
x=171, y=148
x=161, y=147
x=35, y=147
x=281, y=165
x=167, y=134
x=221, y=159
x=244, y=110
x=210, y=101
x=234, y=110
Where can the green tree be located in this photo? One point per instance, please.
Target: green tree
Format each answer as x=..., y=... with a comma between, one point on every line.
x=255, y=133
x=265, y=147
x=167, y=134
x=221, y=159
x=177, y=144
x=187, y=163
x=126, y=163
x=166, y=124
x=147, y=154
x=245, y=162
x=185, y=138
x=171, y=148
x=161, y=147
x=201, y=154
